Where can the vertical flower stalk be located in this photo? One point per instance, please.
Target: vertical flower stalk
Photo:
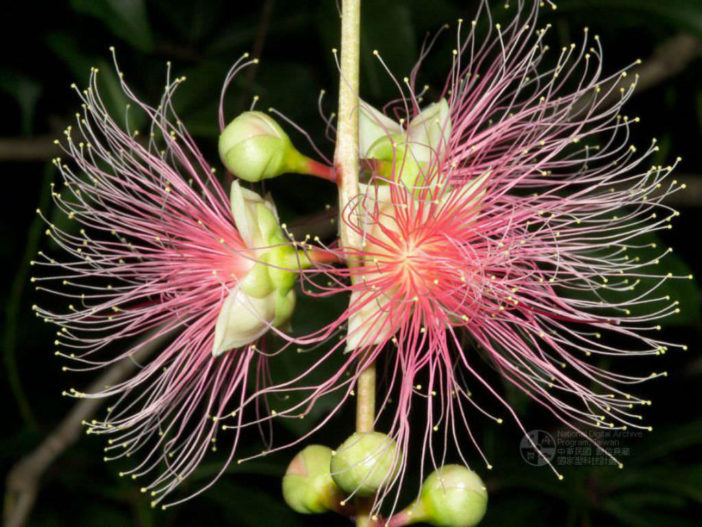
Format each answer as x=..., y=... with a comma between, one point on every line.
x=347, y=166
x=346, y=153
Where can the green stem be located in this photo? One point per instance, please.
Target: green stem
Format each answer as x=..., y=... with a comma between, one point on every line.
x=346, y=153
x=347, y=168
x=300, y=164
x=365, y=399
x=365, y=419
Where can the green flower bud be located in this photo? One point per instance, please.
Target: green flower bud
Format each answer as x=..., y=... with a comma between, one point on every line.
x=254, y=147
x=308, y=487
x=365, y=462
x=451, y=496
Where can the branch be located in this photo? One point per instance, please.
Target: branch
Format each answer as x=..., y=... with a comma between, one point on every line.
x=27, y=149
x=347, y=166
x=346, y=153
x=668, y=60
x=24, y=479
x=691, y=196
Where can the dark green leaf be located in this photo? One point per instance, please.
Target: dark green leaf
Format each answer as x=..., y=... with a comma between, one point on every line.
x=677, y=13
x=25, y=91
x=125, y=18
x=67, y=49
x=246, y=506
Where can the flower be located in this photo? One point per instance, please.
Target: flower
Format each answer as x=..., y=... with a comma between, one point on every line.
x=163, y=255
x=517, y=238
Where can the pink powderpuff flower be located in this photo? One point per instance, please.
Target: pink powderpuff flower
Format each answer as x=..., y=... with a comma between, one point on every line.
x=501, y=224
x=160, y=256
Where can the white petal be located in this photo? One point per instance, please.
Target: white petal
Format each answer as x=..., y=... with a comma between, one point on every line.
x=244, y=205
x=373, y=125
x=428, y=132
x=244, y=215
x=375, y=199
x=270, y=204
x=375, y=193
x=368, y=325
x=469, y=195
x=242, y=320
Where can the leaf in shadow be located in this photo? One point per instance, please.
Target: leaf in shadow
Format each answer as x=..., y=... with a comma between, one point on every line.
x=125, y=18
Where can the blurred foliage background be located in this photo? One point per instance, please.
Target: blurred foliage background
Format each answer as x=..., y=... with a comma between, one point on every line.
x=662, y=481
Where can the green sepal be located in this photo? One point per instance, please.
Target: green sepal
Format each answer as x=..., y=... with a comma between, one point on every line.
x=284, y=307
x=257, y=282
x=396, y=161
x=282, y=259
x=268, y=225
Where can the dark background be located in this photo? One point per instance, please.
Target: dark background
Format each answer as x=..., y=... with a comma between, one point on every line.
x=56, y=44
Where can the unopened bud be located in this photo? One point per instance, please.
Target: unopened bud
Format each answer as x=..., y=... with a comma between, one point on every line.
x=254, y=147
x=452, y=496
x=308, y=487
x=365, y=462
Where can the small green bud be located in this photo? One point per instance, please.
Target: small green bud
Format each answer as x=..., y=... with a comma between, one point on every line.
x=365, y=462
x=452, y=496
x=308, y=487
x=254, y=147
